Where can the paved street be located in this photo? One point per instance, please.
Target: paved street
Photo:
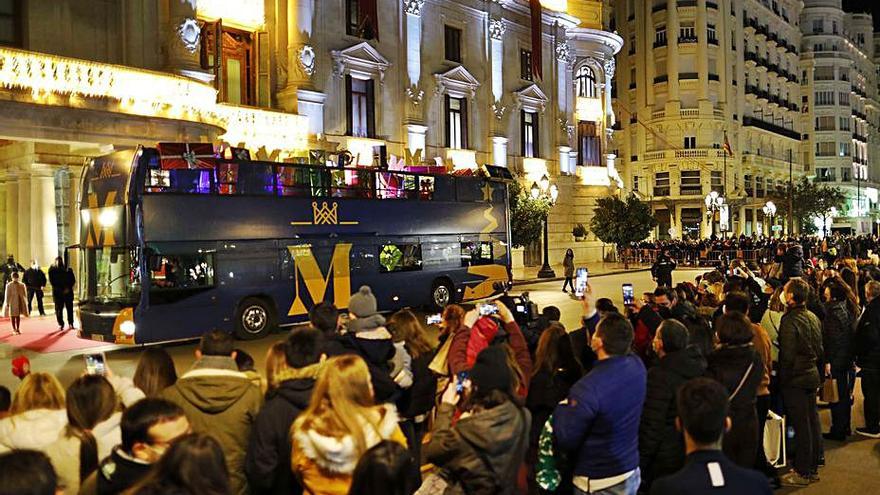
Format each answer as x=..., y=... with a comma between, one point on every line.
x=853, y=468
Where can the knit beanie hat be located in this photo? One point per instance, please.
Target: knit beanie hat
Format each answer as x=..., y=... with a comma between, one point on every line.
x=491, y=371
x=362, y=303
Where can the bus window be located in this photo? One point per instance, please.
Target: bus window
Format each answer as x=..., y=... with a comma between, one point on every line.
x=351, y=184
x=183, y=271
x=256, y=178
x=301, y=181
x=426, y=188
x=390, y=185
x=400, y=257
x=476, y=253
x=444, y=188
x=227, y=178
x=195, y=181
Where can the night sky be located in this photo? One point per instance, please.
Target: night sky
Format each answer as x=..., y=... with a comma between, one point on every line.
x=869, y=6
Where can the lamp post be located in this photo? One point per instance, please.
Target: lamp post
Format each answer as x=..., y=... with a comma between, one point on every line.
x=769, y=212
x=547, y=192
x=714, y=201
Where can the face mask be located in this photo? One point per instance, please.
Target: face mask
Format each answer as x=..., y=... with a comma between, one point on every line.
x=664, y=312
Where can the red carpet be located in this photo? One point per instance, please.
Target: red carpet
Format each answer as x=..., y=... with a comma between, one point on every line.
x=41, y=334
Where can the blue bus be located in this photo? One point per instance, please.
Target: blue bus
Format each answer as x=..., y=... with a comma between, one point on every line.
x=169, y=252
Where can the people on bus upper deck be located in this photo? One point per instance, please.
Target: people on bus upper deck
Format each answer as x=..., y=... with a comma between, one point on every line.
x=63, y=280
x=220, y=400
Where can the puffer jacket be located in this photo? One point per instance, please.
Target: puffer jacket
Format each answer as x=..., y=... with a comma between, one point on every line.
x=801, y=353
x=220, y=401
x=867, y=338
x=64, y=452
x=661, y=446
x=793, y=262
x=375, y=346
x=837, y=335
x=482, y=453
x=35, y=429
x=325, y=463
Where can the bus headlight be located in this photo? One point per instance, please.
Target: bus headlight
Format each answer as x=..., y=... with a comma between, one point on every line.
x=127, y=327
x=108, y=218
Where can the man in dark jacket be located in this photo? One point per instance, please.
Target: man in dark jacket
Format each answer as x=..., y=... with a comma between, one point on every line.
x=661, y=270
x=268, y=456
x=661, y=448
x=35, y=281
x=702, y=417
x=867, y=351
x=148, y=428
x=670, y=306
x=598, y=424
x=800, y=357
x=63, y=280
x=6, y=271
x=792, y=262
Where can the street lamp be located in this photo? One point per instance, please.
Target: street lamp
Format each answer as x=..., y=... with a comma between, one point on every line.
x=548, y=192
x=714, y=201
x=769, y=212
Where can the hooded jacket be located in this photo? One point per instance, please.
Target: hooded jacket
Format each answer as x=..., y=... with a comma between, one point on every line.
x=220, y=401
x=35, y=429
x=326, y=463
x=482, y=453
x=64, y=452
x=661, y=446
x=268, y=455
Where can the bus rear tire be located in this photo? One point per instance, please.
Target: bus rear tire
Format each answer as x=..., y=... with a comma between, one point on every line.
x=254, y=319
x=442, y=294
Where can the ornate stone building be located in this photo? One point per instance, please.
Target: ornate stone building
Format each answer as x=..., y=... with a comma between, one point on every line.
x=421, y=81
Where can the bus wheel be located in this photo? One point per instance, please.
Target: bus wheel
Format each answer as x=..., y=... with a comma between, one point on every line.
x=254, y=319
x=441, y=294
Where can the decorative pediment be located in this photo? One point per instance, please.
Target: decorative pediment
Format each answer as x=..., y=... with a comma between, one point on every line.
x=531, y=98
x=457, y=82
x=361, y=60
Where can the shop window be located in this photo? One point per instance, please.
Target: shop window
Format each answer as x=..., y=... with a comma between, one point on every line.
x=10, y=23
x=456, y=123
x=232, y=55
x=476, y=253
x=529, y=132
x=361, y=115
x=586, y=82
x=525, y=65
x=452, y=44
x=589, y=144
x=400, y=257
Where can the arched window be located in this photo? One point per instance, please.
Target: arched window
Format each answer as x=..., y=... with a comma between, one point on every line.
x=586, y=82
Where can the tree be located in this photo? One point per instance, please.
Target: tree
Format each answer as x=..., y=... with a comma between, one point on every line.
x=809, y=200
x=527, y=216
x=620, y=222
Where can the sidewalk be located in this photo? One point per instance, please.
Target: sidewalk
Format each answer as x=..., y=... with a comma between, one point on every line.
x=529, y=274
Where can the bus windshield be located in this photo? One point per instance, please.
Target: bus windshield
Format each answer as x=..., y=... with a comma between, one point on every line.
x=109, y=274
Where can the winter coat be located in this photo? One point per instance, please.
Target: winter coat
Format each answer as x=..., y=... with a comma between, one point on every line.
x=694, y=480
x=482, y=453
x=458, y=352
x=15, y=302
x=662, y=270
x=645, y=324
x=800, y=349
x=568, y=266
x=220, y=401
x=377, y=349
x=867, y=338
x=64, y=452
x=62, y=280
x=580, y=341
x=661, y=446
x=35, y=429
x=770, y=322
x=728, y=365
x=268, y=455
x=418, y=399
x=700, y=333
x=793, y=262
x=115, y=474
x=545, y=391
x=838, y=328
x=598, y=424
x=34, y=278
x=325, y=463
x=762, y=344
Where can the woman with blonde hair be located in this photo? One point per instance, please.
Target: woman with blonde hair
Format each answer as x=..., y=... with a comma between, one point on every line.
x=276, y=363
x=341, y=423
x=37, y=414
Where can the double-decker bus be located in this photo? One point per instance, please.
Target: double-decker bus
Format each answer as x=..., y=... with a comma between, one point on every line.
x=169, y=252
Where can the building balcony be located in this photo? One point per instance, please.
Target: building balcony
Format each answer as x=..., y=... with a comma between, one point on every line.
x=669, y=155
x=767, y=126
x=687, y=3
x=687, y=39
x=688, y=75
x=257, y=128
x=714, y=77
x=661, y=79
x=859, y=137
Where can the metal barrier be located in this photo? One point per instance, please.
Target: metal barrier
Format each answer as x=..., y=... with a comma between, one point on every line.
x=695, y=257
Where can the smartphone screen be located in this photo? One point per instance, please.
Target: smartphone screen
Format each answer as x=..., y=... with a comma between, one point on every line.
x=459, y=383
x=628, y=294
x=580, y=284
x=434, y=319
x=488, y=309
x=95, y=364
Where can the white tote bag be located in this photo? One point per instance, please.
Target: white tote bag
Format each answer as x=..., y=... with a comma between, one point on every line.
x=774, y=439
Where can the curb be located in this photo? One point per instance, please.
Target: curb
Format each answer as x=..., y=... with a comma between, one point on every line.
x=560, y=279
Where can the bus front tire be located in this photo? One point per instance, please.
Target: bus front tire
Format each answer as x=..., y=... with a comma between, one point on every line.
x=254, y=319
x=441, y=294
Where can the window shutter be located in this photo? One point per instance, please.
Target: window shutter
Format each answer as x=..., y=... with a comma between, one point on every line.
x=349, y=108
x=536, y=132
x=448, y=119
x=371, y=108
x=464, y=123
x=264, y=98
x=218, y=61
x=522, y=132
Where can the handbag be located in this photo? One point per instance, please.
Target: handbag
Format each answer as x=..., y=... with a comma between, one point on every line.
x=440, y=363
x=829, y=391
x=774, y=439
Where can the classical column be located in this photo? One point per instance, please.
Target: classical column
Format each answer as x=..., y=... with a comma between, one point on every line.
x=565, y=159
x=74, y=216
x=496, y=35
x=44, y=220
x=413, y=11
x=499, y=151
x=181, y=36
x=415, y=139
x=301, y=56
x=11, y=212
x=24, y=216
x=672, y=29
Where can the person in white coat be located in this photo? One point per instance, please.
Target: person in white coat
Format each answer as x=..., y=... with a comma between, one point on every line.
x=91, y=432
x=37, y=414
x=15, y=302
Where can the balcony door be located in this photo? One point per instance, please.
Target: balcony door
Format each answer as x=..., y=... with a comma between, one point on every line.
x=233, y=61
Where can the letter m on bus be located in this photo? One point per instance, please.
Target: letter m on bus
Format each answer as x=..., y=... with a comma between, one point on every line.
x=307, y=274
